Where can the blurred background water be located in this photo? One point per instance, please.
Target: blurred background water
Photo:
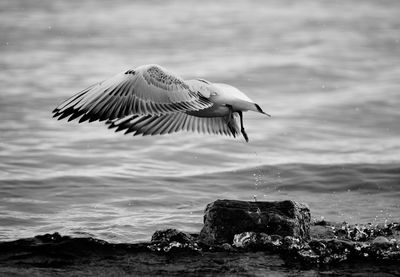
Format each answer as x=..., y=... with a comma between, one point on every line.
x=327, y=71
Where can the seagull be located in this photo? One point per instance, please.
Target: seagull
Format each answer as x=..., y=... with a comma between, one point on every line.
x=150, y=100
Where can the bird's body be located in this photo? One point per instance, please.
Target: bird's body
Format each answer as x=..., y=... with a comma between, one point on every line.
x=149, y=100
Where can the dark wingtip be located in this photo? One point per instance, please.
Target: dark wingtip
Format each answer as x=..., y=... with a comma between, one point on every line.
x=56, y=112
x=110, y=124
x=260, y=110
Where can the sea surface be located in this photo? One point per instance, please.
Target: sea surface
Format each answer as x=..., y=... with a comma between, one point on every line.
x=327, y=71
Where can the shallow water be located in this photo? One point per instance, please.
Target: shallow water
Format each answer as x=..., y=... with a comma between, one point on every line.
x=326, y=71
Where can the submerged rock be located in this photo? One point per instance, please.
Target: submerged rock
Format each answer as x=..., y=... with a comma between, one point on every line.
x=225, y=218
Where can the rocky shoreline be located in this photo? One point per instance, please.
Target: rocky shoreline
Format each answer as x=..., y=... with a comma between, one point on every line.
x=231, y=228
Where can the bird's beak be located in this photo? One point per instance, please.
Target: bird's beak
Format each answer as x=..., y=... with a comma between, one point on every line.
x=266, y=114
x=261, y=111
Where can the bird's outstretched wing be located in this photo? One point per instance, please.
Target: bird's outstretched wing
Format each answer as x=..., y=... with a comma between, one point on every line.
x=148, y=89
x=175, y=122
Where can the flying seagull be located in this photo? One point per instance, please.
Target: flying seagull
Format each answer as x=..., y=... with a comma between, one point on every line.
x=150, y=100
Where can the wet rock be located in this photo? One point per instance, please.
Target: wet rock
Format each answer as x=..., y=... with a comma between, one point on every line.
x=257, y=241
x=321, y=222
x=291, y=244
x=381, y=242
x=169, y=235
x=321, y=232
x=272, y=243
x=318, y=247
x=327, y=251
x=245, y=240
x=252, y=241
x=366, y=232
x=335, y=250
x=225, y=218
x=262, y=241
x=227, y=247
x=54, y=250
x=308, y=256
x=358, y=234
x=172, y=240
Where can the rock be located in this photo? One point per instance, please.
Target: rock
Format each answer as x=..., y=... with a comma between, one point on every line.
x=245, y=240
x=368, y=232
x=169, y=235
x=307, y=256
x=252, y=241
x=381, y=243
x=358, y=234
x=329, y=251
x=227, y=247
x=172, y=240
x=321, y=232
x=317, y=246
x=380, y=240
x=225, y=218
x=321, y=222
x=291, y=244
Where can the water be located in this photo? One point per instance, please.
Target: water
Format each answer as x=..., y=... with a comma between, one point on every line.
x=327, y=71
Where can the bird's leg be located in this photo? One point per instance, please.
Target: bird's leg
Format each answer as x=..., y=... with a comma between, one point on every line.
x=242, y=127
x=230, y=120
